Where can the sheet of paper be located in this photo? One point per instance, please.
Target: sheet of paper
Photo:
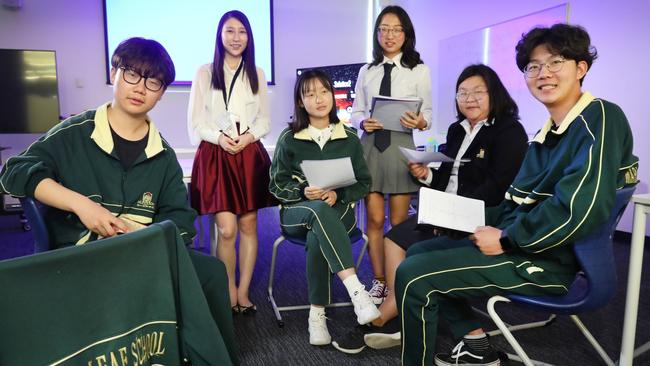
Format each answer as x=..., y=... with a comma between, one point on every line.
x=329, y=174
x=426, y=157
x=450, y=211
x=388, y=110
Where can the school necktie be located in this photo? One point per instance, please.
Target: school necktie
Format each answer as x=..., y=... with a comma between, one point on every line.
x=382, y=137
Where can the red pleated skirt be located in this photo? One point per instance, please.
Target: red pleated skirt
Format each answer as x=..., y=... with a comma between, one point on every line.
x=235, y=183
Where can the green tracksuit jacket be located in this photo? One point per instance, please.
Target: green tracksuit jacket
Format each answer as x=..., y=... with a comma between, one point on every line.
x=287, y=180
x=565, y=187
x=78, y=153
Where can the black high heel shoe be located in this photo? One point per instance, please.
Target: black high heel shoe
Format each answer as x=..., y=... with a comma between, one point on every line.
x=247, y=310
x=236, y=309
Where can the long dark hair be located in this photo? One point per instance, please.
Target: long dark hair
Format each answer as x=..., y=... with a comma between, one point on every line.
x=248, y=56
x=410, y=57
x=303, y=83
x=502, y=106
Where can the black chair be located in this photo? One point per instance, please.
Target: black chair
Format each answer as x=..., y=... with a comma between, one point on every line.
x=33, y=212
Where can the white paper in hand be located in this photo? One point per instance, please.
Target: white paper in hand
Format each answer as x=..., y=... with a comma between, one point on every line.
x=425, y=157
x=450, y=211
x=388, y=110
x=329, y=174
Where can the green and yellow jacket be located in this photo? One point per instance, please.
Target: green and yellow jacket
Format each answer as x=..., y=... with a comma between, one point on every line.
x=288, y=182
x=78, y=154
x=567, y=182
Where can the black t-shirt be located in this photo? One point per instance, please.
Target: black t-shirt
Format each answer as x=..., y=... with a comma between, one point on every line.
x=128, y=151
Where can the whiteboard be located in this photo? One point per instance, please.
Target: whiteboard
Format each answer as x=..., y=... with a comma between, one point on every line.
x=494, y=46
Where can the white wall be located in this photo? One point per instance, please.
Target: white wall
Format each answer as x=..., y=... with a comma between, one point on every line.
x=619, y=29
x=312, y=33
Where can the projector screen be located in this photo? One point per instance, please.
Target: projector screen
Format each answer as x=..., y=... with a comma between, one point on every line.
x=187, y=29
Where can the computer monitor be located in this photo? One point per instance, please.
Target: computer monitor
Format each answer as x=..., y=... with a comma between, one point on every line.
x=29, y=96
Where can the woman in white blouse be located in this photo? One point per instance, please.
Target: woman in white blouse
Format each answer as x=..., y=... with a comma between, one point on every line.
x=398, y=70
x=228, y=114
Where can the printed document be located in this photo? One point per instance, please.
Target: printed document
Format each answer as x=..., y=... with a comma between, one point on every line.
x=329, y=174
x=426, y=157
x=450, y=211
x=388, y=110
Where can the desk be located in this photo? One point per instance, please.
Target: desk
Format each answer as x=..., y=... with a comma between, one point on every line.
x=641, y=210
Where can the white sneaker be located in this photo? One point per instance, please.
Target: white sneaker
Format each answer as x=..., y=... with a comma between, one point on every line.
x=377, y=292
x=318, y=333
x=364, y=307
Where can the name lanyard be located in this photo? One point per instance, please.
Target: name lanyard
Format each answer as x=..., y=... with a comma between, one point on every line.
x=226, y=100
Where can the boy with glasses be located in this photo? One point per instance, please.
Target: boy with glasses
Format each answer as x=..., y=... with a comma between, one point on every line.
x=108, y=170
x=564, y=190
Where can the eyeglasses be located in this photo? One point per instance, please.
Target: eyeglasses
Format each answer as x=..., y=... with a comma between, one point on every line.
x=532, y=70
x=478, y=95
x=396, y=31
x=133, y=77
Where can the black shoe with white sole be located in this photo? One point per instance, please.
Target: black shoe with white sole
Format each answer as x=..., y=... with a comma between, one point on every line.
x=385, y=337
x=464, y=355
x=352, y=341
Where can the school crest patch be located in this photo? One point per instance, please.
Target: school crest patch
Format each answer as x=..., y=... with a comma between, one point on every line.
x=146, y=201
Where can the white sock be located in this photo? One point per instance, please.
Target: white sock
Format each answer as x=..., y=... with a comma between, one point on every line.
x=352, y=284
x=316, y=311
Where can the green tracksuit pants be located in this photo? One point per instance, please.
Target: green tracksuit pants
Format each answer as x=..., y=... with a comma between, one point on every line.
x=439, y=275
x=214, y=282
x=328, y=246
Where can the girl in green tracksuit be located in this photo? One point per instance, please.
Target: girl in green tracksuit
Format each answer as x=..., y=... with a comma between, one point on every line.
x=321, y=216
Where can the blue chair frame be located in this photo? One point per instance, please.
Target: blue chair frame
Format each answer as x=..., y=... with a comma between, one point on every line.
x=356, y=235
x=33, y=211
x=593, y=287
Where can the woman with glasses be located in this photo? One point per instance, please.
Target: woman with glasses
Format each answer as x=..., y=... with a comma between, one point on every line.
x=486, y=134
x=228, y=114
x=397, y=71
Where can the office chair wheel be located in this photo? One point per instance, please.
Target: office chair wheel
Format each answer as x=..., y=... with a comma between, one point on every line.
x=26, y=227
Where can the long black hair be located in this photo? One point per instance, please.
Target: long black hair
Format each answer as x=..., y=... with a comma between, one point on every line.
x=410, y=57
x=303, y=84
x=502, y=106
x=248, y=56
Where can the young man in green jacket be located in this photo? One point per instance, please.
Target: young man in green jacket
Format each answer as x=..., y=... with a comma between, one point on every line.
x=564, y=190
x=104, y=170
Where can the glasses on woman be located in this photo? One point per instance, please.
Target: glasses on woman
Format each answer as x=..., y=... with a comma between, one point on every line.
x=477, y=95
x=395, y=31
x=133, y=77
x=533, y=69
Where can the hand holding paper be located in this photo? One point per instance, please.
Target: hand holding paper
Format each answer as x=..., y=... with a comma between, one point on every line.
x=329, y=174
x=450, y=211
x=389, y=110
x=426, y=157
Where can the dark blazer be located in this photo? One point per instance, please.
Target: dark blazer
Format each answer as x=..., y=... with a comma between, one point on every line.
x=495, y=156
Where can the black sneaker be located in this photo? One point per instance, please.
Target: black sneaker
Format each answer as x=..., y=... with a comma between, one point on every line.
x=352, y=342
x=463, y=354
x=384, y=337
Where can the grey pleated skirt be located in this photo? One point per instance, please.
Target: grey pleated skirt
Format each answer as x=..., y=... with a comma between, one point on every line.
x=389, y=170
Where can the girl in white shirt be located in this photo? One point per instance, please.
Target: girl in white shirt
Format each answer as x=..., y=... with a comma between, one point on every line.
x=394, y=44
x=228, y=114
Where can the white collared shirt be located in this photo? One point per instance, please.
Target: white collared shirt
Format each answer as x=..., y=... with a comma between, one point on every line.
x=207, y=105
x=405, y=82
x=320, y=136
x=452, y=185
